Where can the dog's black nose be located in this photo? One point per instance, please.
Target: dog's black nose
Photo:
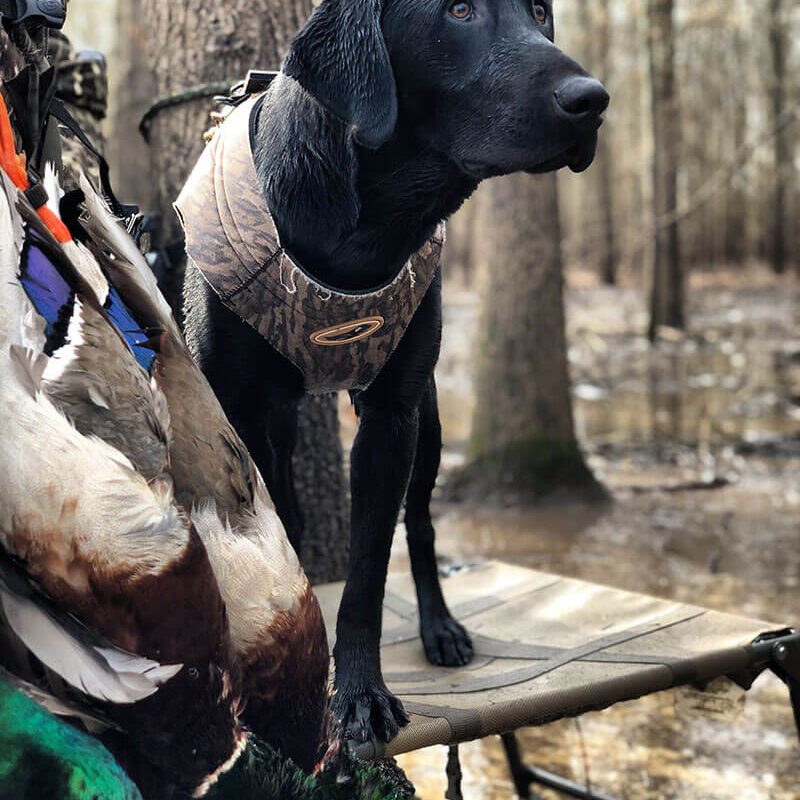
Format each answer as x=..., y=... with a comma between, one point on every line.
x=583, y=99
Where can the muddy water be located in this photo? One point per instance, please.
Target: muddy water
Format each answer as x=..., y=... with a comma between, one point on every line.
x=721, y=402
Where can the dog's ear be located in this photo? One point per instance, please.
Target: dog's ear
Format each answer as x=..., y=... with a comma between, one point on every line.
x=340, y=58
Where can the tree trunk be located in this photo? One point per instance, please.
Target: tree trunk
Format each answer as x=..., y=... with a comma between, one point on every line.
x=736, y=245
x=127, y=151
x=781, y=151
x=523, y=438
x=199, y=42
x=459, y=254
x=602, y=66
x=597, y=249
x=667, y=291
x=322, y=490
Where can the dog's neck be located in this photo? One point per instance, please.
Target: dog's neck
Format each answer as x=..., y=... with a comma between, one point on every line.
x=350, y=216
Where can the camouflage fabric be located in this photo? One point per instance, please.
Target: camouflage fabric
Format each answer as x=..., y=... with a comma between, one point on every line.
x=82, y=86
x=81, y=78
x=338, y=340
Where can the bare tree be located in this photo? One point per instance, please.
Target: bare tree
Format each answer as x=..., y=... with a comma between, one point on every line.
x=599, y=247
x=781, y=153
x=735, y=221
x=133, y=87
x=667, y=290
x=602, y=68
x=460, y=252
x=206, y=43
x=523, y=438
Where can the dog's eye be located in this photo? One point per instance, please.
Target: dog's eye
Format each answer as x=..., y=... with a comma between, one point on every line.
x=460, y=10
x=540, y=13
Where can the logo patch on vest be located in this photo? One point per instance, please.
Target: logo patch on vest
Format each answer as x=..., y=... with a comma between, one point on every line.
x=347, y=332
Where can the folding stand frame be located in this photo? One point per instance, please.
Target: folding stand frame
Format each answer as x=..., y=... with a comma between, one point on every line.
x=548, y=648
x=778, y=652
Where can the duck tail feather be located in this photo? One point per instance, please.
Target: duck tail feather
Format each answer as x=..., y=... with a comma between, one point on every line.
x=87, y=269
x=128, y=269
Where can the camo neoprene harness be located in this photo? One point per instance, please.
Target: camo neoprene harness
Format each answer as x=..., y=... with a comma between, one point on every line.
x=338, y=340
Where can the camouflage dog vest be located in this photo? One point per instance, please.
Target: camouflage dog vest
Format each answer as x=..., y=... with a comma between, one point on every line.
x=338, y=340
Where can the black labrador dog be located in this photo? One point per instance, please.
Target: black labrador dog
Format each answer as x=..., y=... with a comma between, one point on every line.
x=384, y=120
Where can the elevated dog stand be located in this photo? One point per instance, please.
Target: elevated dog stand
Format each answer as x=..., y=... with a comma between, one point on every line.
x=547, y=648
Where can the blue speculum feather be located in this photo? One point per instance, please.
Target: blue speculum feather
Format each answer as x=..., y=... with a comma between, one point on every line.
x=50, y=294
x=128, y=327
x=54, y=297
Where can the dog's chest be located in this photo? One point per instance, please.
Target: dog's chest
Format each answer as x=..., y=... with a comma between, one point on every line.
x=338, y=340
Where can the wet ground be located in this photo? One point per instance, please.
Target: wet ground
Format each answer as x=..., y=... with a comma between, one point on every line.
x=719, y=406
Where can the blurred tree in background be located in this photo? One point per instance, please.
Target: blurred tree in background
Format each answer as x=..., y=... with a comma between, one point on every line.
x=593, y=49
x=778, y=45
x=667, y=285
x=602, y=65
x=523, y=442
x=128, y=153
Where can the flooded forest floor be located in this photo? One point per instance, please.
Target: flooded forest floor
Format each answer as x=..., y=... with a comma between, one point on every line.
x=716, y=407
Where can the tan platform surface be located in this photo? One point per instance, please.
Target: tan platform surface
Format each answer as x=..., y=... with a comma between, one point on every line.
x=545, y=647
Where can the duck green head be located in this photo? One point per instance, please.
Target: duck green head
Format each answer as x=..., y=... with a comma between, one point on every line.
x=42, y=757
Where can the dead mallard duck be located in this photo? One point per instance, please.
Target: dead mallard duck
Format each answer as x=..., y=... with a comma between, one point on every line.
x=162, y=511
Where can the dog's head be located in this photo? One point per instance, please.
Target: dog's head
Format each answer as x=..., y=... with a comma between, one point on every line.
x=479, y=81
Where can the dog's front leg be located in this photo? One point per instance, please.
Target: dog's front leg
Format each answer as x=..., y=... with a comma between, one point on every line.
x=445, y=640
x=380, y=466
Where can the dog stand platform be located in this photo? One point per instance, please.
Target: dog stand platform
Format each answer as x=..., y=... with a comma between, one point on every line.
x=547, y=648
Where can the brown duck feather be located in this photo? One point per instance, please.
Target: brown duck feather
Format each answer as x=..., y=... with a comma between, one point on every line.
x=208, y=460
x=115, y=551
x=275, y=621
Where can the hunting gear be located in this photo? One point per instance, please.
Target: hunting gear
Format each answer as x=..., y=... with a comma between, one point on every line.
x=82, y=86
x=338, y=340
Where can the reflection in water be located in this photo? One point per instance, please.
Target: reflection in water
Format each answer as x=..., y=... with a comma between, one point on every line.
x=665, y=380
x=722, y=401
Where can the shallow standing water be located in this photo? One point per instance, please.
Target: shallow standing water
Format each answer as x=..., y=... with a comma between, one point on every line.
x=721, y=403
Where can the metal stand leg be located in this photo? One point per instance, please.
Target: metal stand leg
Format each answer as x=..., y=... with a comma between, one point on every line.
x=794, y=695
x=453, y=775
x=524, y=775
x=786, y=665
x=778, y=651
x=521, y=773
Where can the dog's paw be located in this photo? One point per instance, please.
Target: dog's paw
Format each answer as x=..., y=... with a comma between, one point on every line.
x=368, y=711
x=446, y=642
